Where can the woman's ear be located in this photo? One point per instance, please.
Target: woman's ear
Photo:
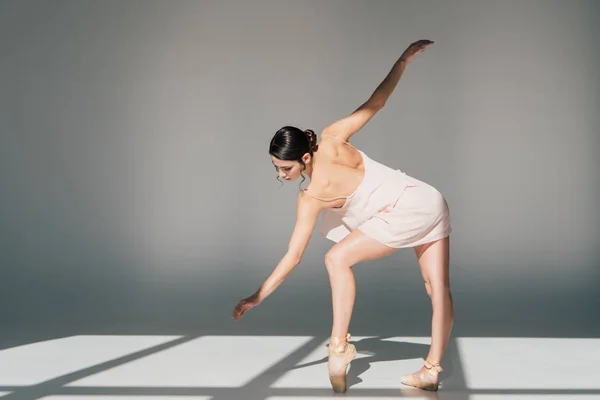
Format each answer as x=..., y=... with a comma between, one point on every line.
x=306, y=158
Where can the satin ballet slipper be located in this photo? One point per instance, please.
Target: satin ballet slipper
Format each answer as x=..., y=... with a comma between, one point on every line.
x=426, y=379
x=340, y=354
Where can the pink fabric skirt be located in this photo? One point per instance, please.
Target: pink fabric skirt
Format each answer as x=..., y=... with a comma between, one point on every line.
x=419, y=215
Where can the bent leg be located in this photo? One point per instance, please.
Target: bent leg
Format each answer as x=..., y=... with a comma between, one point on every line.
x=339, y=260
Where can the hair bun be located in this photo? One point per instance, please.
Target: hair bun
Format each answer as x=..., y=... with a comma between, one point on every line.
x=312, y=139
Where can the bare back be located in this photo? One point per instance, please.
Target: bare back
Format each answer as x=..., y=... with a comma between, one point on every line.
x=338, y=169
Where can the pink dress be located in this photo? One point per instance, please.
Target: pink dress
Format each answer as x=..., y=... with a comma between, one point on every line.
x=390, y=207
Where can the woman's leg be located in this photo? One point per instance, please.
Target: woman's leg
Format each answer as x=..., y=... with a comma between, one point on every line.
x=339, y=260
x=356, y=247
x=434, y=261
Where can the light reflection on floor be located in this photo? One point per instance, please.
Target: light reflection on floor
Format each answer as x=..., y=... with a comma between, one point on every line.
x=294, y=368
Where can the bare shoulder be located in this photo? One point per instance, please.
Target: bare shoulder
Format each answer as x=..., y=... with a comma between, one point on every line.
x=333, y=149
x=318, y=188
x=307, y=201
x=338, y=150
x=330, y=145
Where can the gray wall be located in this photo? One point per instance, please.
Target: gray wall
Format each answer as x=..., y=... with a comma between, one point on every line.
x=137, y=192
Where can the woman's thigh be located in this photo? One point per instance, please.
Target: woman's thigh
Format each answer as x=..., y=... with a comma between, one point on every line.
x=358, y=247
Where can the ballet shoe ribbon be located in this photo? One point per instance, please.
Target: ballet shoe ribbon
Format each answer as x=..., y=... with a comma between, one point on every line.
x=436, y=366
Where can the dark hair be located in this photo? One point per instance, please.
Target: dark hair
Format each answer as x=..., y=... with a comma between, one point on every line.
x=290, y=144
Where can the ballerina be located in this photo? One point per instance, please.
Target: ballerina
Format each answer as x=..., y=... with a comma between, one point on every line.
x=369, y=210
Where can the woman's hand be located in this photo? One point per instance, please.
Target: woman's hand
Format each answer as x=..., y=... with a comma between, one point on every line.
x=415, y=48
x=244, y=305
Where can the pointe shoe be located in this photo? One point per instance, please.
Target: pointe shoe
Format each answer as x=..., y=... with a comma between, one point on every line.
x=426, y=379
x=340, y=354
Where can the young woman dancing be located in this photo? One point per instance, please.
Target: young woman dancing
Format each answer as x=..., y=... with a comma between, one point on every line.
x=370, y=210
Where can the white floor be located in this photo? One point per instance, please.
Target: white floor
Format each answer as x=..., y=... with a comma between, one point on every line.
x=291, y=368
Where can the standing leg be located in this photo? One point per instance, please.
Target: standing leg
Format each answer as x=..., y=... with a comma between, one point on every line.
x=356, y=247
x=434, y=260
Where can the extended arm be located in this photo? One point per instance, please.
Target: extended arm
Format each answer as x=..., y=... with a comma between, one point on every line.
x=348, y=126
x=307, y=212
x=306, y=217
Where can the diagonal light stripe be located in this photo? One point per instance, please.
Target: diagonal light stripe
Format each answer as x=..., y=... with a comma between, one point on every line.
x=38, y=362
x=209, y=361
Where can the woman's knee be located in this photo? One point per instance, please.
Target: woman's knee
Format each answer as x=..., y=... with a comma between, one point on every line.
x=335, y=260
x=438, y=292
x=428, y=289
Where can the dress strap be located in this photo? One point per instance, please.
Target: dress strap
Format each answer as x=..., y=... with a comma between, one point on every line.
x=324, y=199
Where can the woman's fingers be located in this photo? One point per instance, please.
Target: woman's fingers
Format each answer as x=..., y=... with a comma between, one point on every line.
x=243, y=306
x=241, y=309
x=238, y=311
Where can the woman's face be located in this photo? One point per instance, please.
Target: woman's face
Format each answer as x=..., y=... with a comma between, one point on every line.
x=288, y=170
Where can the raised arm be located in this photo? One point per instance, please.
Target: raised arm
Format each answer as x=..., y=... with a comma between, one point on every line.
x=348, y=126
x=307, y=211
